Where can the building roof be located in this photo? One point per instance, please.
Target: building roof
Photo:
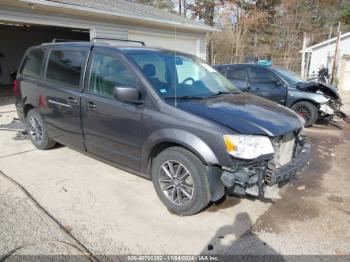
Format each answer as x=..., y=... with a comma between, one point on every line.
x=327, y=42
x=128, y=9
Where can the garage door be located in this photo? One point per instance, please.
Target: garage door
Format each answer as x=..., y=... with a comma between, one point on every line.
x=182, y=44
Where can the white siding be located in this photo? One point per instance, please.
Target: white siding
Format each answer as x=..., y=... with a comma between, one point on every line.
x=178, y=43
x=203, y=48
x=320, y=55
x=99, y=29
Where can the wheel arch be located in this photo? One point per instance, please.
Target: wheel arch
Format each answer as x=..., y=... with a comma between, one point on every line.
x=315, y=103
x=26, y=109
x=213, y=171
x=166, y=138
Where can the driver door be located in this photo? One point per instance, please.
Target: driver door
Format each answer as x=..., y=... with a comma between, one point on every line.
x=111, y=127
x=266, y=84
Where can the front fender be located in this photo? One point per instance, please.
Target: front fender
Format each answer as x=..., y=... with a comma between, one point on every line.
x=315, y=98
x=193, y=143
x=181, y=137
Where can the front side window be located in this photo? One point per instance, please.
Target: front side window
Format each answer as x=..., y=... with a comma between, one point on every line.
x=262, y=77
x=180, y=75
x=107, y=72
x=32, y=63
x=291, y=77
x=65, y=67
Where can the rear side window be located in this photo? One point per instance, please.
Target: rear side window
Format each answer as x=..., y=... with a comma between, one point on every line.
x=32, y=63
x=65, y=67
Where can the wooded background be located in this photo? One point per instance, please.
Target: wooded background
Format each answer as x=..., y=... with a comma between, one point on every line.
x=263, y=28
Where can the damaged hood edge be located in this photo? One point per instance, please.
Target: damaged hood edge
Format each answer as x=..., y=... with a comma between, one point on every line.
x=313, y=87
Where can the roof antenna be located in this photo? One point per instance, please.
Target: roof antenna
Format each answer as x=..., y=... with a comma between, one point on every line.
x=175, y=77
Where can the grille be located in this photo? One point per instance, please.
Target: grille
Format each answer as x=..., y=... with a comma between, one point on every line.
x=269, y=174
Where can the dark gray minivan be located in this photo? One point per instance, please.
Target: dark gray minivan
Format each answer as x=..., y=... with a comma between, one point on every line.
x=164, y=115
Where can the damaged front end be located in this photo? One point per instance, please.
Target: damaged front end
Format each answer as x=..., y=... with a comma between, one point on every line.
x=333, y=106
x=257, y=177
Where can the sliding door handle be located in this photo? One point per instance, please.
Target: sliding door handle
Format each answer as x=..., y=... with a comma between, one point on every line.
x=91, y=105
x=72, y=100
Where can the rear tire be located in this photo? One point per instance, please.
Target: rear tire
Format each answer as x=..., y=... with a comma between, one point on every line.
x=306, y=110
x=180, y=181
x=37, y=131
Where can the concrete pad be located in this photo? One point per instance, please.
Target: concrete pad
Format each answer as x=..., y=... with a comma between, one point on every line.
x=6, y=118
x=7, y=104
x=114, y=212
x=9, y=145
x=27, y=230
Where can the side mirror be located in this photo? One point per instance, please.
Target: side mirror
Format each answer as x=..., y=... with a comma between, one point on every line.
x=127, y=94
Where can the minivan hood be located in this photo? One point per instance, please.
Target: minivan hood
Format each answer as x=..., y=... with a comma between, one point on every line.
x=244, y=113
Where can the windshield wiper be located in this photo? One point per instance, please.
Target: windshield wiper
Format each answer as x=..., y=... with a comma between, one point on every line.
x=220, y=93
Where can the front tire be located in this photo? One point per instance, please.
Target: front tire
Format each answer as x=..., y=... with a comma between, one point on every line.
x=37, y=131
x=180, y=181
x=306, y=110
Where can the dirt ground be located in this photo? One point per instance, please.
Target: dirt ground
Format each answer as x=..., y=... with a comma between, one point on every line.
x=87, y=206
x=313, y=216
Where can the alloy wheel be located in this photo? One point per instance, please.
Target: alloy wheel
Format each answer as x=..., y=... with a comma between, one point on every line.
x=176, y=182
x=35, y=129
x=303, y=111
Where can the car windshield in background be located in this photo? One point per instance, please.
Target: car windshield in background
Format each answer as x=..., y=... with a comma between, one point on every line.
x=289, y=76
x=182, y=76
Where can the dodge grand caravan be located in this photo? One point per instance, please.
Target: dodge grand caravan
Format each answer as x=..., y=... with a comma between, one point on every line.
x=164, y=115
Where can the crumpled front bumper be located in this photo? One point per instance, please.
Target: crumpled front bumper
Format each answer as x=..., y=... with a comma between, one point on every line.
x=253, y=179
x=333, y=108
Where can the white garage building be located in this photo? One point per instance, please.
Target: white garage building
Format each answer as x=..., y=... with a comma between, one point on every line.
x=25, y=23
x=322, y=54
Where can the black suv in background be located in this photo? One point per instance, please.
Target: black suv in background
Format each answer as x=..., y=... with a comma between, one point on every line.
x=163, y=115
x=311, y=100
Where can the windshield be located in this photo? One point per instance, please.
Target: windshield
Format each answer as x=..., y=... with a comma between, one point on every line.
x=289, y=76
x=182, y=76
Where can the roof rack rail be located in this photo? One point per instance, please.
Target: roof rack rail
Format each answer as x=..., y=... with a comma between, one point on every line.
x=118, y=39
x=57, y=40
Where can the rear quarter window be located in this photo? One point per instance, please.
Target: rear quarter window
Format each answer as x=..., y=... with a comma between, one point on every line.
x=32, y=63
x=65, y=67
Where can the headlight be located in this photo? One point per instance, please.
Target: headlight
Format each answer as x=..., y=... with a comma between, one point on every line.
x=248, y=146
